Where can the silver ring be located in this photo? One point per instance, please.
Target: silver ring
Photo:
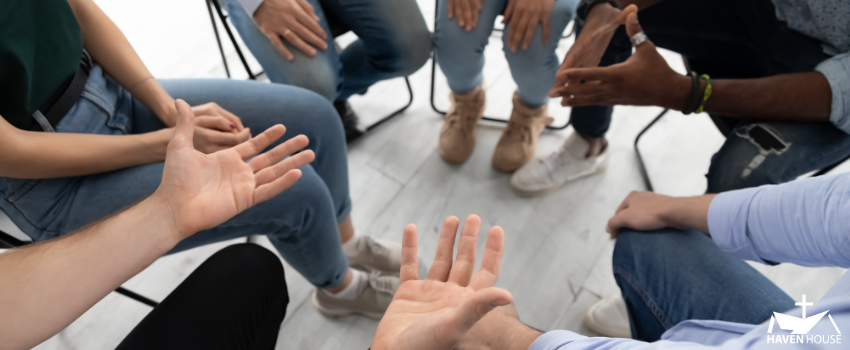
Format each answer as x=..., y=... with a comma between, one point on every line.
x=638, y=38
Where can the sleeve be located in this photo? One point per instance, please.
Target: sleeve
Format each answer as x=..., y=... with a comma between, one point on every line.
x=837, y=73
x=806, y=222
x=250, y=5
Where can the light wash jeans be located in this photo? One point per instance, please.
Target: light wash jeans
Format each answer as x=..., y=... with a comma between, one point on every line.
x=668, y=276
x=393, y=41
x=301, y=222
x=461, y=53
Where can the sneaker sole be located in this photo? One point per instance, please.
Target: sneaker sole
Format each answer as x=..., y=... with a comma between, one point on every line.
x=529, y=194
x=329, y=313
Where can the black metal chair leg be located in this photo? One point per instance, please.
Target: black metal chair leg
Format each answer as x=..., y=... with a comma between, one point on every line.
x=136, y=297
x=217, y=37
x=397, y=112
x=223, y=18
x=643, y=171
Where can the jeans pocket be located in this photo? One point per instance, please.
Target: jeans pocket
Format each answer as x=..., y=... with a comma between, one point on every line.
x=19, y=188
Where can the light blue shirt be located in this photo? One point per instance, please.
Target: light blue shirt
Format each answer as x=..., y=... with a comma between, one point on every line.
x=805, y=222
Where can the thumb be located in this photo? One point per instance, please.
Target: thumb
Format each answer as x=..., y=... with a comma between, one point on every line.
x=632, y=24
x=185, y=130
x=462, y=318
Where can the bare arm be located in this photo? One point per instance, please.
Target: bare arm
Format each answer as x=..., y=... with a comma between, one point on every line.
x=791, y=97
x=40, y=155
x=46, y=286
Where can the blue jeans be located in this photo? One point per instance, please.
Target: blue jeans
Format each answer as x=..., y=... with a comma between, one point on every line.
x=301, y=222
x=669, y=276
x=393, y=41
x=461, y=53
x=719, y=42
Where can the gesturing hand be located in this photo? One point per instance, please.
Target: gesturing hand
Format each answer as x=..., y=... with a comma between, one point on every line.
x=436, y=313
x=524, y=16
x=466, y=12
x=205, y=190
x=293, y=20
x=644, y=79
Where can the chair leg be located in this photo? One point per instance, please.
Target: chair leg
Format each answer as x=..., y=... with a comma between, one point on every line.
x=397, y=112
x=643, y=172
x=136, y=297
x=217, y=37
x=223, y=18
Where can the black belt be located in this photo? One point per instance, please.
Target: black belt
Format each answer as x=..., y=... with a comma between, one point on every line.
x=58, y=105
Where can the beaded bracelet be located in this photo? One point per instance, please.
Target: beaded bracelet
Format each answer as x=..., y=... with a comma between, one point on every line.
x=706, y=94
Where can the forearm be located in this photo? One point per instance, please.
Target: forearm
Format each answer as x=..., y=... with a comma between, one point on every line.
x=47, y=285
x=785, y=97
x=39, y=155
x=108, y=45
x=688, y=212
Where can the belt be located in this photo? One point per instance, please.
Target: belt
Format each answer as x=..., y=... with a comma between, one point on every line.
x=57, y=106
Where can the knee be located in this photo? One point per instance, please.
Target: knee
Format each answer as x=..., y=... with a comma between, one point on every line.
x=317, y=77
x=252, y=266
x=410, y=50
x=745, y=160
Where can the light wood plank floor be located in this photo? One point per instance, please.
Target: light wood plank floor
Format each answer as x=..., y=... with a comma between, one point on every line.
x=558, y=257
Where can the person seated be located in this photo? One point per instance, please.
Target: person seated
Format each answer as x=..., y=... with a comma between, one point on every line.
x=47, y=285
x=678, y=264
x=772, y=75
x=294, y=42
x=81, y=139
x=531, y=34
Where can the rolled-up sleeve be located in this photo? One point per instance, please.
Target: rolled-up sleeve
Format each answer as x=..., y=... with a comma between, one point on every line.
x=250, y=5
x=837, y=73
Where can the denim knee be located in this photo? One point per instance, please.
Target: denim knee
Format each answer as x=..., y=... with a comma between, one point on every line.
x=741, y=164
x=411, y=51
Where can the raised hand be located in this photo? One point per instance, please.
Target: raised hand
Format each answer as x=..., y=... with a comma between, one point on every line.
x=466, y=12
x=437, y=312
x=524, y=15
x=293, y=20
x=205, y=190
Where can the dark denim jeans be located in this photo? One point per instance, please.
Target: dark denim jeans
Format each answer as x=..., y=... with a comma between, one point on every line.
x=669, y=276
x=735, y=39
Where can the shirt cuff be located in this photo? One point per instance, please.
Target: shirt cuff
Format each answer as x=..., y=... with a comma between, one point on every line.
x=837, y=73
x=554, y=340
x=250, y=6
x=727, y=222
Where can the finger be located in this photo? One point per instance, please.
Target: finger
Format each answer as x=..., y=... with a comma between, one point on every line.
x=278, y=44
x=545, y=21
x=409, y=261
x=185, y=130
x=615, y=224
x=274, y=172
x=623, y=16
x=232, y=117
x=311, y=11
x=269, y=190
x=451, y=9
x=624, y=204
x=475, y=10
x=508, y=12
x=603, y=99
x=590, y=87
x=215, y=123
x=460, y=320
x=462, y=10
x=259, y=143
x=294, y=38
x=530, y=28
x=277, y=154
x=487, y=275
x=632, y=24
x=312, y=32
x=461, y=271
x=587, y=74
x=442, y=264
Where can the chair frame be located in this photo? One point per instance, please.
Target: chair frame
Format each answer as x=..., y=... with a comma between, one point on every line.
x=222, y=17
x=434, y=76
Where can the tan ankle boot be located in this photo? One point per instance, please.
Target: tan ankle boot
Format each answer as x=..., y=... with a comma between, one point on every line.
x=519, y=140
x=457, y=137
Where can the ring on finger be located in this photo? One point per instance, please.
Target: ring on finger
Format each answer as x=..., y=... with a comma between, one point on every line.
x=638, y=38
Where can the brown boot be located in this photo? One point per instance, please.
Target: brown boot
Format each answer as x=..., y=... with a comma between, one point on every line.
x=519, y=140
x=457, y=137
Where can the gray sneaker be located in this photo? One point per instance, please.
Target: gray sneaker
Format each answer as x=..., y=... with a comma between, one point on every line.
x=381, y=255
x=374, y=295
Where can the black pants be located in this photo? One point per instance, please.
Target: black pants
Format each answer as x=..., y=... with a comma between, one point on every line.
x=235, y=300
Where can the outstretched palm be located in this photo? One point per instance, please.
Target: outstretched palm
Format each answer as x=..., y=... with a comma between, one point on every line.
x=204, y=190
x=437, y=312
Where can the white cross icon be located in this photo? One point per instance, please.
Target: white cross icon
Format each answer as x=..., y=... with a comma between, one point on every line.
x=804, y=304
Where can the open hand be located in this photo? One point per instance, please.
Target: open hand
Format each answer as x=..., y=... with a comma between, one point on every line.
x=205, y=190
x=466, y=12
x=436, y=313
x=293, y=20
x=644, y=79
x=524, y=15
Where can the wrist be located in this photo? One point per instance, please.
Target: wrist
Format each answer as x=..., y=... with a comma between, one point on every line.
x=603, y=12
x=156, y=143
x=681, y=93
x=517, y=336
x=687, y=212
x=159, y=215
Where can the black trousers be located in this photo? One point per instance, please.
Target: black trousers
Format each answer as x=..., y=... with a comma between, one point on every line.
x=235, y=300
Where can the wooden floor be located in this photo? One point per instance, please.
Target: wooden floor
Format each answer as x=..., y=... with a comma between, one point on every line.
x=558, y=258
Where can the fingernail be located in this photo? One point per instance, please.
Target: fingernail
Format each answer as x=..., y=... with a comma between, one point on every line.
x=232, y=126
x=633, y=18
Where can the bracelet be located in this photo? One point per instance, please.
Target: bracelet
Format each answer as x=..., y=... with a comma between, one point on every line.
x=587, y=5
x=694, y=93
x=706, y=94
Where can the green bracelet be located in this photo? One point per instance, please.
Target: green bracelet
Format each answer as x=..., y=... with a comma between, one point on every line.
x=706, y=94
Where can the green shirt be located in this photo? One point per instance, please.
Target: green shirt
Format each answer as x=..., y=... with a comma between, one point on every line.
x=40, y=48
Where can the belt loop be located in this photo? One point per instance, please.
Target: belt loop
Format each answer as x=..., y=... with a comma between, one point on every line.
x=42, y=120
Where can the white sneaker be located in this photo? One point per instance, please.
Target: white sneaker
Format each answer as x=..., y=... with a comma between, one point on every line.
x=543, y=175
x=609, y=317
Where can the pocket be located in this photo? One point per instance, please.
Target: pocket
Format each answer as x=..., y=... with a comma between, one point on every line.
x=17, y=188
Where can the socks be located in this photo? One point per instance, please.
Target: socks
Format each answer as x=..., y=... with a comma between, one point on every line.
x=351, y=248
x=350, y=292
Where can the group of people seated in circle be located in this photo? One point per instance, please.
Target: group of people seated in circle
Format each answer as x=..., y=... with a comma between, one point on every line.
x=107, y=169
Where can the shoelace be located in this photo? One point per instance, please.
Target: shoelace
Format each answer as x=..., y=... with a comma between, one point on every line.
x=456, y=118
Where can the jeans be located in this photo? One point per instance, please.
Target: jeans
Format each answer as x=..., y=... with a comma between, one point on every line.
x=461, y=53
x=301, y=222
x=738, y=40
x=235, y=300
x=668, y=276
x=394, y=41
